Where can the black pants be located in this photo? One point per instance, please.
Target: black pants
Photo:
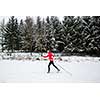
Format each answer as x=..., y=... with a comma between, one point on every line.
x=51, y=62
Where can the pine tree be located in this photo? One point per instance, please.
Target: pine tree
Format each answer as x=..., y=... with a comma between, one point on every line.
x=69, y=25
x=2, y=32
x=43, y=36
x=11, y=35
x=91, y=34
x=39, y=35
x=73, y=35
x=18, y=36
x=78, y=36
x=94, y=38
x=82, y=35
x=28, y=35
x=49, y=34
x=57, y=33
x=22, y=34
x=86, y=32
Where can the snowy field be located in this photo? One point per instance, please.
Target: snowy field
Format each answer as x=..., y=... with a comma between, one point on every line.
x=75, y=69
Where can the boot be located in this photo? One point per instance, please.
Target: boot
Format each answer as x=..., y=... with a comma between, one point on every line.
x=48, y=72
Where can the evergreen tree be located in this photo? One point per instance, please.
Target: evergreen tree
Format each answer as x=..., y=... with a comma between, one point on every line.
x=91, y=34
x=57, y=33
x=83, y=35
x=43, y=35
x=78, y=36
x=86, y=32
x=94, y=37
x=17, y=36
x=28, y=35
x=69, y=25
x=73, y=35
x=2, y=32
x=22, y=34
x=39, y=35
x=11, y=35
x=49, y=34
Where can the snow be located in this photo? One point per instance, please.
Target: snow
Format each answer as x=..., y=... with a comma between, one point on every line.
x=83, y=69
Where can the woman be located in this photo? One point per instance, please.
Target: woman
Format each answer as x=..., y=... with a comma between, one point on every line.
x=50, y=56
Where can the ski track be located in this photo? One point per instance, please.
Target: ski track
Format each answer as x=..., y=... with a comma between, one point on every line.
x=82, y=70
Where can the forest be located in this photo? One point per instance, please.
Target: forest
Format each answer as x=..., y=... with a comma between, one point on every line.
x=73, y=35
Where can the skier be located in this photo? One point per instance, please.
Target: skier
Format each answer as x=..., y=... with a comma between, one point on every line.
x=50, y=56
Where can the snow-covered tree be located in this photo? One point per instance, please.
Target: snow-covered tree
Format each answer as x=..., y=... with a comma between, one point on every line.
x=38, y=35
x=28, y=34
x=43, y=35
x=94, y=38
x=17, y=36
x=40, y=32
x=69, y=25
x=11, y=35
x=49, y=34
x=2, y=32
x=22, y=34
x=74, y=34
x=57, y=33
x=82, y=36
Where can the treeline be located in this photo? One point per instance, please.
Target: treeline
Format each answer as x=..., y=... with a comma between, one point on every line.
x=71, y=35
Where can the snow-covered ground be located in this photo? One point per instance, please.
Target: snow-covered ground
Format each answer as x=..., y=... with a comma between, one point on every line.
x=77, y=69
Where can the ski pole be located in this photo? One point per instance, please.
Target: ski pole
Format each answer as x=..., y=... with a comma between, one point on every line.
x=65, y=70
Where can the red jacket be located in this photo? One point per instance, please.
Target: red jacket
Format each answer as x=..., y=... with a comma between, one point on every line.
x=50, y=56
